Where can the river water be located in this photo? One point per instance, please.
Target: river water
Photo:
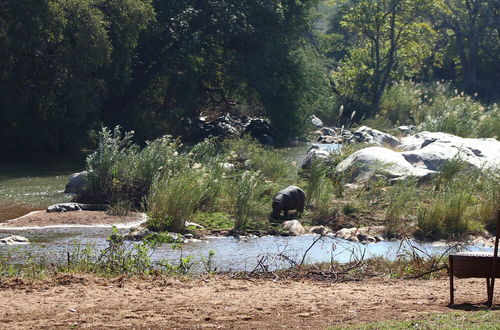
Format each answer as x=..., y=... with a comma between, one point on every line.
x=32, y=187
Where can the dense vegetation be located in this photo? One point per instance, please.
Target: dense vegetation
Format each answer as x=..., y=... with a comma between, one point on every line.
x=230, y=185
x=69, y=66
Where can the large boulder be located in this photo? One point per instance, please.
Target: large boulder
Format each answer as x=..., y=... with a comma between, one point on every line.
x=77, y=183
x=365, y=163
x=373, y=136
x=259, y=129
x=315, y=152
x=294, y=227
x=430, y=150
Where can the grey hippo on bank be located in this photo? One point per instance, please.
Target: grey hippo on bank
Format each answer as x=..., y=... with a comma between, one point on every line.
x=290, y=198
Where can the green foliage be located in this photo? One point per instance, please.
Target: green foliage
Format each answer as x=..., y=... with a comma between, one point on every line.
x=437, y=107
x=174, y=198
x=214, y=220
x=244, y=204
x=120, y=173
x=400, y=196
x=465, y=201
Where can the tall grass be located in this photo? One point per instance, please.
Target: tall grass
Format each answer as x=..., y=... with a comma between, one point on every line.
x=400, y=196
x=438, y=107
x=463, y=201
x=174, y=198
x=245, y=196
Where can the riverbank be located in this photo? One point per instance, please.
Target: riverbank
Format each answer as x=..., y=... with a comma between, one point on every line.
x=37, y=219
x=217, y=302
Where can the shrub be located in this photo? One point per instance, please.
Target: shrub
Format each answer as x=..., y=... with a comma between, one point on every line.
x=174, y=198
x=120, y=173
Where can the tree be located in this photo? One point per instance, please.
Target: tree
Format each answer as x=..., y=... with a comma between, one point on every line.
x=392, y=38
x=475, y=29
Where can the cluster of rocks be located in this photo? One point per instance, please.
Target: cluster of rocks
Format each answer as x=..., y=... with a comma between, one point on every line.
x=362, y=235
x=419, y=155
x=199, y=129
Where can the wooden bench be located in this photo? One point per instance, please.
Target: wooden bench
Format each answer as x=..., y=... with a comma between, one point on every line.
x=477, y=265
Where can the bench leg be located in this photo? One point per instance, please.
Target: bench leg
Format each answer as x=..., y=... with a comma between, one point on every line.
x=491, y=286
x=452, y=295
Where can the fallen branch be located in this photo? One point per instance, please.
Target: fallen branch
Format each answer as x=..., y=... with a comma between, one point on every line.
x=426, y=273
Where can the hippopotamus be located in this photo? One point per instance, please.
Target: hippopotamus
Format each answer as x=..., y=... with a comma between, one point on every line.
x=290, y=198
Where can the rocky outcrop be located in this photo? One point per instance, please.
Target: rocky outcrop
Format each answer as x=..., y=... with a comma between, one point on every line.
x=77, y=183
x=367, y=162
x=430, y=150
x=294, y=227
x=67, y=207
x=363, y=235
x=14, y=240
x=373, y=136
x=320, y=230
x=199, y=129
x=315, y=152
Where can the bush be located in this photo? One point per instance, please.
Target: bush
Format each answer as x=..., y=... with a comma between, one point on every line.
x=174, y=198
x=120, y=173
x=438, y=108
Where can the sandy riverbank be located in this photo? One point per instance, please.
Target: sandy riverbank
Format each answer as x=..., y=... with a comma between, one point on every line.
x=74, y=218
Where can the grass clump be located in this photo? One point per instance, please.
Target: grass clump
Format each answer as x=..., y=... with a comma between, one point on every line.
x=454, y=320
x=400, y=196
x=175, y=197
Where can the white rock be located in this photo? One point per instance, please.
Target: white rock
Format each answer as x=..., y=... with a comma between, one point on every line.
x=294, y=227
x=77, y=183
x=370, y=135
x=14, y=240
x=430, y=150
x=315, y=152
x=364, y=163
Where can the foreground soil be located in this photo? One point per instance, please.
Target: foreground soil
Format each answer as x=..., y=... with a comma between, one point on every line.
x=220, y=302
x=43, y=219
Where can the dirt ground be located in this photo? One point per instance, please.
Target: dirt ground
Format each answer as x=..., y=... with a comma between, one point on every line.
x=219, y=302
x=43, y=218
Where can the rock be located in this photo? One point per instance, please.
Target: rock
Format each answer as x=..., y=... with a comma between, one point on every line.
x=260, y=129
x=407, y=129
x=138, y=233
x=77, y=183
x=315, y=152
x=430, y=150
x=14, y=240
x=188, y=236
x=320, y=230
x=327, y=131
x=227, y=167
x=66, y=207
x=316, y=121
x=367, y=162
x=370, y=135
x=329, y=139
x=199, y=129
x=346, y=233
x=294, y=227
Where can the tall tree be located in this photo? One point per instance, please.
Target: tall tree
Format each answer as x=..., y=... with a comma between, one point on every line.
x=392, y=39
